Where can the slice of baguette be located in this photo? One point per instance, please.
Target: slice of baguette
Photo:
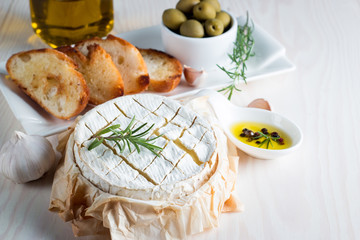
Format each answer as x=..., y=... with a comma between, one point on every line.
x=165, y=71
x=50, y=78
x=127, y=59
x=102, y=77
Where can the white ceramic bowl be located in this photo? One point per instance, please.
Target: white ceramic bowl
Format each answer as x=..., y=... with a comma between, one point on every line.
x=229, y=114
x=269, y=118
x=200, y=52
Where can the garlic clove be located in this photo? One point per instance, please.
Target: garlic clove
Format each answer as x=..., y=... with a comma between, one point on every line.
x=194, y=77
x=25, y=158
x=260, y=103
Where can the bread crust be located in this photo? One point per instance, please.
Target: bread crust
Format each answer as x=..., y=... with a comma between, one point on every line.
x=165, y=70
x=19, y=60
x=127, y=59
x=58, y=78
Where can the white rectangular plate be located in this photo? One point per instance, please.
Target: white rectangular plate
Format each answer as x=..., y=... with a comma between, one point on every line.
x=270, y=59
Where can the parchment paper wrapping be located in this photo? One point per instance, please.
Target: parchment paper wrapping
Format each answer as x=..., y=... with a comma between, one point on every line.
x=94, y=212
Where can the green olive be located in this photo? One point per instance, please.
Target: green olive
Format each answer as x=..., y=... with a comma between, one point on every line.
x=192, y=28
x=224, y=17
x=214, y=27
x=173, y=18
x=186, y=6
x=214, y=3
x=204, y=11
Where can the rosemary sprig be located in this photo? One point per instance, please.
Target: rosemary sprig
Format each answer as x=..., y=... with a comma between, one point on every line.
x=124, y=138
x=242, y=51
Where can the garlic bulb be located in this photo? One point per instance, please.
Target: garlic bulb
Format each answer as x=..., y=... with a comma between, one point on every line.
x=24, y=158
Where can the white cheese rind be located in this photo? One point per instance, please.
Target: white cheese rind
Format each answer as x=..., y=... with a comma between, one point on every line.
x=185, y=163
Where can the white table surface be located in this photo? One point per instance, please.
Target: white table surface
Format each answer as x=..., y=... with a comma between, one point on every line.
x=311, y=194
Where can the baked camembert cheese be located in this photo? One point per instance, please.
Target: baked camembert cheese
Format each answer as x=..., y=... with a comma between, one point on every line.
x=181, y=167
x=127, y=194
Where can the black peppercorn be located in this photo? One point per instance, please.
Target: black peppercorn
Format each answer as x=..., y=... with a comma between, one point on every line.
x=274, y=135
x=264, y=131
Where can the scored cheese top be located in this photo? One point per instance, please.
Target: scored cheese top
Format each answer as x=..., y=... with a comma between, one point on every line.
x=186, y=162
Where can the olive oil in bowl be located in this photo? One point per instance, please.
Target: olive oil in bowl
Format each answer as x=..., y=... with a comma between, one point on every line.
x=229, y=116
x=64, y=22
x=261, y=135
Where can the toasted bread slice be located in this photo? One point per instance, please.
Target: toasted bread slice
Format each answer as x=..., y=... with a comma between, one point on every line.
x=127, y=59
x=50, y=78
x=102, y=76
x=165, y=71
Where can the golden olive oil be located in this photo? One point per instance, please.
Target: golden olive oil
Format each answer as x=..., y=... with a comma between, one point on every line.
x=64, y=22
x=237, y=128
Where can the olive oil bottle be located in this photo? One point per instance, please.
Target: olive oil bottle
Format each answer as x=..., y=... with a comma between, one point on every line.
x=64, y=22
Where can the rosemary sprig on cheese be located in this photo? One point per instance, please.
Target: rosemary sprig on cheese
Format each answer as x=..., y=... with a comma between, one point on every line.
x=242, y=51
x=126, y=138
